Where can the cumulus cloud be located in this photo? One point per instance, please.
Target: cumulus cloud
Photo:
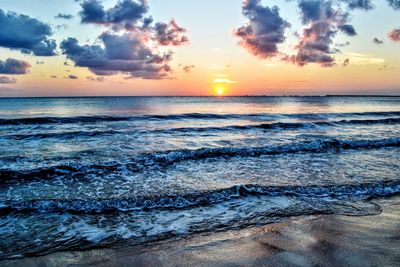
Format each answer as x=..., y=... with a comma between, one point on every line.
x=130, y=45
x=14, y=66
x=125, y=13
x=377, y=41
x=7, y=80
x=170, y=33
x=64, y=16
x=359, y=4
x=26, y=34
x=264, y=31
x=125, y=53
x=394, y=35
x=323, y=20
x=394, y=3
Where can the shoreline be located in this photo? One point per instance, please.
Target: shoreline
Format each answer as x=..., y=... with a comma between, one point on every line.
x=323, y=240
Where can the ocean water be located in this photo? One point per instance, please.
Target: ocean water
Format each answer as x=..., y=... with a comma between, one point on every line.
x=77, y=173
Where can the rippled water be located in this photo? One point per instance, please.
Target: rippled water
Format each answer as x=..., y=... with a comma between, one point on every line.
x=82, y=172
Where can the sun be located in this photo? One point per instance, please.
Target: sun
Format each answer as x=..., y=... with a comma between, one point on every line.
x=220, y=90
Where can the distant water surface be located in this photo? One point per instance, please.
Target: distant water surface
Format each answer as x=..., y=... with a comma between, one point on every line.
x=102, y=171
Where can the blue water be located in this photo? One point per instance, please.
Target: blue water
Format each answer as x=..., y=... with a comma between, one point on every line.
x=77, y=173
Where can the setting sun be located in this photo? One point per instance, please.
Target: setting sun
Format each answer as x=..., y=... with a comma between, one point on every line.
x=220, y=90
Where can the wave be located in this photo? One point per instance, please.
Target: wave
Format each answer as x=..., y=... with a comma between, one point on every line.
x=170, y=157
x=287, y=125
x=166, y=158
x=264, y=126
x=365, y=190
x=208, y=116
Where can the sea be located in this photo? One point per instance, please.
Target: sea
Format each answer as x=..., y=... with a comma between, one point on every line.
x=93, y=172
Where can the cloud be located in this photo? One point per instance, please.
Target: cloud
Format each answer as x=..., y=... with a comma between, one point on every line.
x=53, y=76
x=26, y=34
x=125, y=13
x=359, y=4
x=348, y=29
x=131, y=44
x=97, y=79
x=264, y=31
x=362, y=59
x=188, y=68
x=14, y=66
x=394, y=3
x=62, y=27
x=377, y=41
x=7, y=80
x=72, y=77
x=346, y=62
x=343, y=44
x=64, y=16
x=323, y=20
x=394, y=35
x=170, y=34
x=130, y=15
x=127, y=53
x=223, y=80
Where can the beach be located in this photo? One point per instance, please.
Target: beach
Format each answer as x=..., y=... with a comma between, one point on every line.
x=322, y=240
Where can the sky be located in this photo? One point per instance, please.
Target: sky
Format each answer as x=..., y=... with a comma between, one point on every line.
x=192, y=47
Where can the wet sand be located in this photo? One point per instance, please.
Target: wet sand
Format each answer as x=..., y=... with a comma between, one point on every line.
x=326, y=240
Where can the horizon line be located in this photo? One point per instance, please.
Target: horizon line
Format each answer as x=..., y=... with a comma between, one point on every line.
x=215, y=96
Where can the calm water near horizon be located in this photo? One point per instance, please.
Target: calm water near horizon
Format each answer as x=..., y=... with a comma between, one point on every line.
x=84, y=172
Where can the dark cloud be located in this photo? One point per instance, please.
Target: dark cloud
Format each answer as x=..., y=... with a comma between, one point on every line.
x=26, y=34
x=394, y=35
x=92, y=12
x=72, y=77
x=39, y=62
x=64, y=16
x=7, y=80
x=377, y=41
x=131, y=43
x=54, y=76
x=97, y=79
x=348, y=29
x=346, y=62
x=264, y=31
x=315, y=44
x=131, y=16
x=343, y=44
x=125, y=13
x=359, y=4
x=323, y=20
x=188, y=68
x=394, y=3
x=127, y=53
x=170, y=34
x=14, y=66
